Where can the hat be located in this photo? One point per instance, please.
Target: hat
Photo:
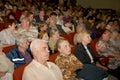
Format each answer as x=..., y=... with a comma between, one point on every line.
x=4, y=67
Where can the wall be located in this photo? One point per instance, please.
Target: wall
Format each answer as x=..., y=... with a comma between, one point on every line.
x=113, y=4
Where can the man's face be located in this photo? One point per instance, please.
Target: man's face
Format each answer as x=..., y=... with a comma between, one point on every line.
x=24, y=44
x=41, y=13
x=24, y=23
x=43, y=51
x=106, y=36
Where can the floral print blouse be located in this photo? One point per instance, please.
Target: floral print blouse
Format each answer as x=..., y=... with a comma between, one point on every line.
x=68, y=65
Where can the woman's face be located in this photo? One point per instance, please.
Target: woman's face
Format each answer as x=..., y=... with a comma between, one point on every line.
x=79, y=29
x=68, y=24
x=31, y=17
x=106, y=36
x=86, y=38
x=11, y=17
x=45, y=37
x=115, y=34
x=45, y=27
x=61, y=17
x=12, y=26
x=103, y=25
x=56, y=35
x=65, y=48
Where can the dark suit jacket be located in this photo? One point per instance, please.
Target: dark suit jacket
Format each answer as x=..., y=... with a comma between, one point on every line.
x=81, y=54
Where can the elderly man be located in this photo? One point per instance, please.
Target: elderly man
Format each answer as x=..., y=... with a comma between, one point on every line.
x=40, y=68
x=26, y=30
x=21, y=53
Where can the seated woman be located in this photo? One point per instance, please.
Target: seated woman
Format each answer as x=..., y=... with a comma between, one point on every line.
x=42, y=26
x=84, y=51
x=78, y=30
x=54, y=36
x=43, y=35
x=6, y=66
x=20, y=54
x=68, y=27
x=105, y=48
x=70, y=65
x=7, y=35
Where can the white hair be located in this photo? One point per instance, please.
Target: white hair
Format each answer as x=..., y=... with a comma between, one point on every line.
x=35, y=44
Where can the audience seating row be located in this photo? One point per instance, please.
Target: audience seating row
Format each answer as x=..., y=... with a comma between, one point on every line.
x=18, y=72
x=17, y=75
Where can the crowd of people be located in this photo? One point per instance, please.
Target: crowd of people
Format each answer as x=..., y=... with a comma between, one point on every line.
x=35, y=28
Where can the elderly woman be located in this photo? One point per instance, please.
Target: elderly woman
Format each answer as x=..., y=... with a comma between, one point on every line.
x=79, y=29
x=72, y=68
x=6, y=66
x=7, y=35
x=67, y=62
x=85, y=54
x=20, y=54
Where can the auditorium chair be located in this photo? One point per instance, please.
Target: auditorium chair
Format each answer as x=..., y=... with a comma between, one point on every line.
x=69, y=37
x=8, y=48
x=18, y=72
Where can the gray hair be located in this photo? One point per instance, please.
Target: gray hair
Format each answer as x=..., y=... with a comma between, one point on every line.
x=81, y=35
x=21, y=39
x=34, y=44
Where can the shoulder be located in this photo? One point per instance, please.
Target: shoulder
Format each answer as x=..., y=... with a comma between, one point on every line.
x=3, y=31
x=3, y=58
x=14, y=51
x=51, y=64
x=79, y=46
x=30, y=67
